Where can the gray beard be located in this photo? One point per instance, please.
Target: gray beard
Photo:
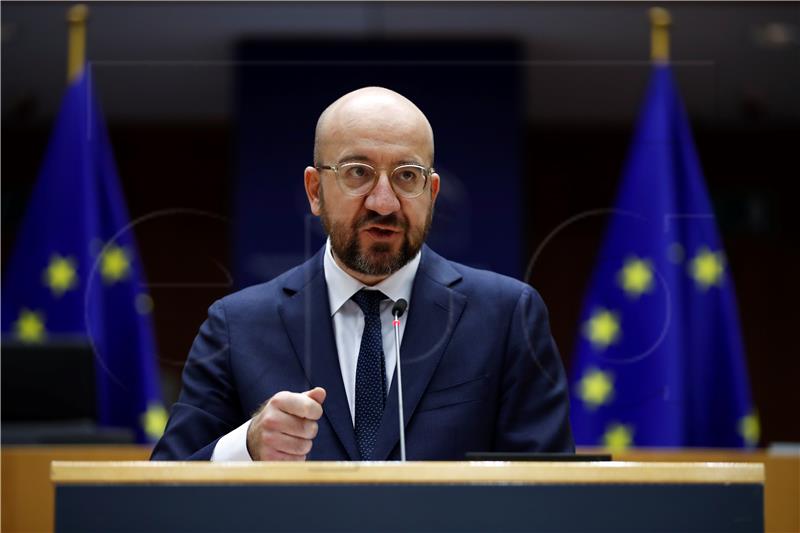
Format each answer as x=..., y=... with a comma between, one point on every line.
x=378, y=260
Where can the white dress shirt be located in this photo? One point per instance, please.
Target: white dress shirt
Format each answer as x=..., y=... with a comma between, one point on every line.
x=348, y=327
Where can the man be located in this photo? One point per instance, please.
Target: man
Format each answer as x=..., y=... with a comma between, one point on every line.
x=302, y=367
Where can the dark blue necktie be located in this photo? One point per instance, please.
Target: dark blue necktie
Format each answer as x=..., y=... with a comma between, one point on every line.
x=370, y=373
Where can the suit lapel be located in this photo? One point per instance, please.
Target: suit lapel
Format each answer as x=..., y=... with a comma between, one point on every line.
x=434, y=312
x=307, y=319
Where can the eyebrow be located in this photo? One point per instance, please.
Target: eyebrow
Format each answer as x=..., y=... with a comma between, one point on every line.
x=352, y=158
x=355, y=157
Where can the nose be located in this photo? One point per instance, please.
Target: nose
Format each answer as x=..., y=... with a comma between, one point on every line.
x=382, y=198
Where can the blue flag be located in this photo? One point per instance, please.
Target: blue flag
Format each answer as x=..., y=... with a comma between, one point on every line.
x=659, y=359
x=75, y=268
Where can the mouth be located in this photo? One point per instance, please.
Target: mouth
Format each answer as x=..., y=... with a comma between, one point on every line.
x=381, y=232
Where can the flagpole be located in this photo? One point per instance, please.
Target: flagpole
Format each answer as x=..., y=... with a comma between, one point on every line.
x=660, y=21
x=76, y=46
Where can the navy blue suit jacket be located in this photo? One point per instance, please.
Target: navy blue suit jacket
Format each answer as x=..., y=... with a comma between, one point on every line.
x=481, y=371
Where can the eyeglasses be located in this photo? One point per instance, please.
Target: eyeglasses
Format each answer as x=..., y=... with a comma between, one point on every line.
x=358, y=179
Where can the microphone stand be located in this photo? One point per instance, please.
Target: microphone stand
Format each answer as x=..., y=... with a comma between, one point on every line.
x=398, y=310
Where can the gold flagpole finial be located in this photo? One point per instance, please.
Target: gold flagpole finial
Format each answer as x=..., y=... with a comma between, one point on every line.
x=76, y=47
x=660, y=21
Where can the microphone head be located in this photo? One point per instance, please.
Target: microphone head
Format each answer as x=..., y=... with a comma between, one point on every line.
x=399, y=308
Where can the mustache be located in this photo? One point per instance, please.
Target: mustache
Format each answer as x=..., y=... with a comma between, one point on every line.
x=391, y=220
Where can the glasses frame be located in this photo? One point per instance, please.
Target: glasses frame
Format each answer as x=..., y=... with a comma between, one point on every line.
x=426, y=172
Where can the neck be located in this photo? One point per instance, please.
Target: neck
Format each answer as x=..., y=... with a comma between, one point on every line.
x=366, y=279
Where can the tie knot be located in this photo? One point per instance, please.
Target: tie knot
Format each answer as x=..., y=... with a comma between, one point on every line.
x=369, y=301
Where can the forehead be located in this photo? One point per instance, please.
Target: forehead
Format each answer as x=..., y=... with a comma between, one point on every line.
x=377, y=133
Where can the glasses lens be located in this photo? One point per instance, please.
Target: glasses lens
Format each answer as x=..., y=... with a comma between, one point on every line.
x=356, y=178
x=409, y=180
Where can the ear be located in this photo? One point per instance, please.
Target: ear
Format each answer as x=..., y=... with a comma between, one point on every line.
x=435, y=184
x=311, y=181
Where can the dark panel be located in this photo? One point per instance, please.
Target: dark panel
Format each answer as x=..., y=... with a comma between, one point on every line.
x=471, y=91
x=554, y=508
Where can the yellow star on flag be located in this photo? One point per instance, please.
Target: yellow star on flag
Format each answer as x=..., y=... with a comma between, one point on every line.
x=750, y=429
x=707, y=268
x=29, y=327
x=154, y=420
x=602, y=328
x=618, y=437
x=115, y=264
x=60, y=275
x=636, y=276
x=596, y=388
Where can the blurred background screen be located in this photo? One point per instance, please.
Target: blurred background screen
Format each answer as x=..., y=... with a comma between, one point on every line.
x=470, y=90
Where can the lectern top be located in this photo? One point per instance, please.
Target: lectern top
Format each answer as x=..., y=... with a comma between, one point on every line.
x=614, y=472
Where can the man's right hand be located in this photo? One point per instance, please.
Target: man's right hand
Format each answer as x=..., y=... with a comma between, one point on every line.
x=285, y=426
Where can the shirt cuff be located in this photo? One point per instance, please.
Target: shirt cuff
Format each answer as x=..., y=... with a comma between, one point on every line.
x=233, y=446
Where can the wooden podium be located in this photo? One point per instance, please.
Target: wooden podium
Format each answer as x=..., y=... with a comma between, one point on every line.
x=431, y=496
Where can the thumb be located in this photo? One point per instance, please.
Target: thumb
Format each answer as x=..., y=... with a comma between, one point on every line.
x=317, y=394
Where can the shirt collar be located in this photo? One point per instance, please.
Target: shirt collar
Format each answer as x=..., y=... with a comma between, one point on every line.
x=342, y=286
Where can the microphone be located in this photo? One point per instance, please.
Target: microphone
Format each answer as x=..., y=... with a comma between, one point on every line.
x=398, y=309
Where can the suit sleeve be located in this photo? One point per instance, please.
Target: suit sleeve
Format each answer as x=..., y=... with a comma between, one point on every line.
x=208, y=406
x=534, y=405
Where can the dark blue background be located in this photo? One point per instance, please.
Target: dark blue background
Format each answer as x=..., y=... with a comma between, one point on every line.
x=472, y=94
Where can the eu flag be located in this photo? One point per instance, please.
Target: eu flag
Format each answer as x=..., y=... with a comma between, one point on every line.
x=75, y=268
x=659, y=360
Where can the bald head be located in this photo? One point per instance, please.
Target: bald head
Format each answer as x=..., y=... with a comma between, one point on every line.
x=380, y=108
